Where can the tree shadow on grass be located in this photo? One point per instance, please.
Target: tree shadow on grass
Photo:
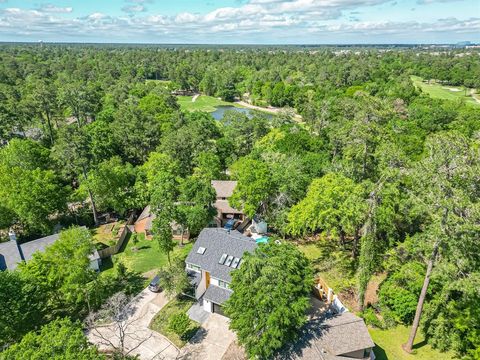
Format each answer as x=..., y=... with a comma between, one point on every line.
x=125, y=243
x=419, y=345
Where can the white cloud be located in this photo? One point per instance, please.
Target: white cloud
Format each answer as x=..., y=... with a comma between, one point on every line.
x=134, y=8
x=50, y=8
x=288, y=20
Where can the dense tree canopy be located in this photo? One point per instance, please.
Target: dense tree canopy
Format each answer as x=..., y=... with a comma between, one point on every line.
x=59, y=340
x=377, y=175
x=270, y=298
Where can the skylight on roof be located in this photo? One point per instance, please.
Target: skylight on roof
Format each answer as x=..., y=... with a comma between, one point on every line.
x=222, y=259
x=201, y=250
x=229, y=260
x=235, y=263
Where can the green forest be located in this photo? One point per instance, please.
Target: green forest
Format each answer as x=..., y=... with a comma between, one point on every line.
x=371, y=177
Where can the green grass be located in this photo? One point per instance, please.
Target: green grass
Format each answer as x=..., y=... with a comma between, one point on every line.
x=107, y=234
x=389, y=346
x=203, y=103
x=327, y=261
x=312, y=251
x=146, y=257
x=161, y=320
x=441, y=91
x=160, y=82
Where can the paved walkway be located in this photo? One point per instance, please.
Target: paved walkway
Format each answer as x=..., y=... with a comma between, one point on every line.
x=142, y=341
x=211, y=341
x=196, y=313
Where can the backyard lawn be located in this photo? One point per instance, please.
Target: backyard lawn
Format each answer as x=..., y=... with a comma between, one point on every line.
x=202, y=103
x=107, y=234
x=145, y=256
x=441, y=91
x=161, y=321
x=325, y=261
x=389, y=346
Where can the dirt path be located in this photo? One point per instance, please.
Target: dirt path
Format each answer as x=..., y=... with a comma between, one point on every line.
x=270, y=109
x=474, y=95
x=195, y=97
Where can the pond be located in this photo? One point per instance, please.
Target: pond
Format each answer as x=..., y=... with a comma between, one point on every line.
x=220, y=111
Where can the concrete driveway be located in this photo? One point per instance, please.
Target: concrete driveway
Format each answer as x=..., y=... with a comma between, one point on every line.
x=142, y=341
x=211, y=341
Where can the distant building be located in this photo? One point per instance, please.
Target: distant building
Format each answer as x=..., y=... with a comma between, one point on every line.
x=12, y=253
x=224, y=190
x=144, y=224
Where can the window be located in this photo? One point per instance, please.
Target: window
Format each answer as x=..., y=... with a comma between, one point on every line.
x=222, y=259
x=193, y=267
x=223, y=284
x=229, y=260
x=235, y=263
x=201, y=250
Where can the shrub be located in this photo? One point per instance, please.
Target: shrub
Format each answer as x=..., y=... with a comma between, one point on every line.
x=179, y=324
x=399, y=293
x=370, y=317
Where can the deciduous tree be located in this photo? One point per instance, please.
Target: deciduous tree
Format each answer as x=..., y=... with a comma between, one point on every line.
x=270, y=297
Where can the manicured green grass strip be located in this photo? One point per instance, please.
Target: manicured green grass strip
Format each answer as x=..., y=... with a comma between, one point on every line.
x=441, y=91
x=389, y=346
x=146, y=256
x=203, y=103
x=161, y=320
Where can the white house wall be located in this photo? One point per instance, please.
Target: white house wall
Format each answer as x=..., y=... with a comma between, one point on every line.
x=95, y=265
x=207, y=306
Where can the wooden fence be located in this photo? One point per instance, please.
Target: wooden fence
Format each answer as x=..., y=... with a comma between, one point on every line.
x=112, y=250
x=326, y=293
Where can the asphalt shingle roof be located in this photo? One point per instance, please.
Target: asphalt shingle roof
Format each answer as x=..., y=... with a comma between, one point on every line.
x=217, y=294
x=330, y=337
x=224, y=207
x=345, y=333
x=218, y=241
x=31, y=247
x=9, y=255
x=224, y=189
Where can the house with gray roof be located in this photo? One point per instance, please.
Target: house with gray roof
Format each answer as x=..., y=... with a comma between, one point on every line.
x=332, y=336
x=9, y=255
x=12, y=253
x=216, y=253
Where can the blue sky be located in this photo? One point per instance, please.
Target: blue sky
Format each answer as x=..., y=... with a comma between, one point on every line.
x=241, y=21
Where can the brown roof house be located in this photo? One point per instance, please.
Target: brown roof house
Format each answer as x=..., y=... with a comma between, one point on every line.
x=224, y=190
x=332, y=336
x=143, y=225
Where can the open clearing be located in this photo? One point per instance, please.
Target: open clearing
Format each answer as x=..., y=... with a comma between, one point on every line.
x=389, y=346
x=145, y=256
x=202, y=103
x=440, y=91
